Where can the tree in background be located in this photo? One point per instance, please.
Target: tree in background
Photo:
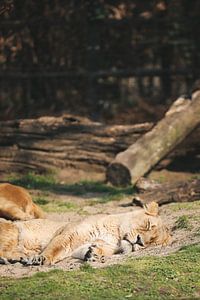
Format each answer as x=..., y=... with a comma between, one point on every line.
x=96, y=57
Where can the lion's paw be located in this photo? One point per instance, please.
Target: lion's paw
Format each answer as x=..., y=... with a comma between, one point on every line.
x=36, y=260
x=93, y=254
x=7, y=261
x=3, y=261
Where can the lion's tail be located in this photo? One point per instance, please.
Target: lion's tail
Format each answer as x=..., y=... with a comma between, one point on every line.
x=38, y=212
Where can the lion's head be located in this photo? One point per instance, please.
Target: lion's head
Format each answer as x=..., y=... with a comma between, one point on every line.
x=153, y=231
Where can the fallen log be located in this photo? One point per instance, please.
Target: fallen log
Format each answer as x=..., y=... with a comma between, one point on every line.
x=129, y=165
x=183, y=191
x=67, y=143
x=74, y=148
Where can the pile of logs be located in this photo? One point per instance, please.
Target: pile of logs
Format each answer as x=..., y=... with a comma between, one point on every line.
x=123, y=152
x=66, y=142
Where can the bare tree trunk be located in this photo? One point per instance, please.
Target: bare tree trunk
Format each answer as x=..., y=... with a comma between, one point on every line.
x=129, y=165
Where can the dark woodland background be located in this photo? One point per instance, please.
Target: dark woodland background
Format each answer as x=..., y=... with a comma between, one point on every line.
x=117, y=61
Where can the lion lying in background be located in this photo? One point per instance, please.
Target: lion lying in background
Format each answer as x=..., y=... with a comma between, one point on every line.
x=38, y=242
x=16, y=204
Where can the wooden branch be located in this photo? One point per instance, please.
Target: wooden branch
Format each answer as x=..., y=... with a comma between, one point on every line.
x=129, y=165
x=185, y=191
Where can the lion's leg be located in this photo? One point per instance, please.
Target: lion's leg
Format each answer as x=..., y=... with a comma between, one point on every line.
x=99, y=250
x=9, y=236
x=57, y=250
x=63, y=246
x=11, y=257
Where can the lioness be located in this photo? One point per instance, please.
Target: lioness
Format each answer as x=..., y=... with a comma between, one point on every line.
x=93, y=239
x=16, y=203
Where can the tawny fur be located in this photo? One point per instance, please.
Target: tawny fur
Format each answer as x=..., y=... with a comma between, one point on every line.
x=16, y=204
x=94, y=238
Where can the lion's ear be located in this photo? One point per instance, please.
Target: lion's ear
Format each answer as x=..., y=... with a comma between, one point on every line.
x=151, y=208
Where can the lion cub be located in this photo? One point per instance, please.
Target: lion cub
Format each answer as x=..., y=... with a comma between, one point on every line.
x=16, y=204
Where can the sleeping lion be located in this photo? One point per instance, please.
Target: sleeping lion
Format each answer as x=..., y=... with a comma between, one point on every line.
x=16, y=204
x=38, y=242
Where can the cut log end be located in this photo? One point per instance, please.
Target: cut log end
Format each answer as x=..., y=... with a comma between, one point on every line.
x=152, y=147
x=118, y=175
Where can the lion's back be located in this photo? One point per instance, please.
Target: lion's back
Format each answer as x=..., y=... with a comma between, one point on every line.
x=38, y=230
x=15, y=194
x=14, y=199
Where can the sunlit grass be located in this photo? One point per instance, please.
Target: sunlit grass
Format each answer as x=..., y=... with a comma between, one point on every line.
x=87, y=189
x=175, y=276
x=182, y=223
x=185, y=205
x=55, y=205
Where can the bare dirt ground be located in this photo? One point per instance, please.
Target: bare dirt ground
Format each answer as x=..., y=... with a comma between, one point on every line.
x=170, y=214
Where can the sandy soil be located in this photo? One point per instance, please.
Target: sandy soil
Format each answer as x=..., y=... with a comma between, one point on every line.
x=169, y=213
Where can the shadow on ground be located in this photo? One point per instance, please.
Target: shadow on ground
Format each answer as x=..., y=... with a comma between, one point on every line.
x=85, y=188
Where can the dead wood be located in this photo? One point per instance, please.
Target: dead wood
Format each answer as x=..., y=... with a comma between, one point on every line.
x=63, y=143
x=129, y=165
x=184, y=191
x=73, y=145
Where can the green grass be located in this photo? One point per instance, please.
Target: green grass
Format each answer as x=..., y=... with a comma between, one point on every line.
x=182, y=222
x=32, y=180
x=197, y=233
x=185, y=205
x=55, y=205
x=89, y=189
x=176, y=276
